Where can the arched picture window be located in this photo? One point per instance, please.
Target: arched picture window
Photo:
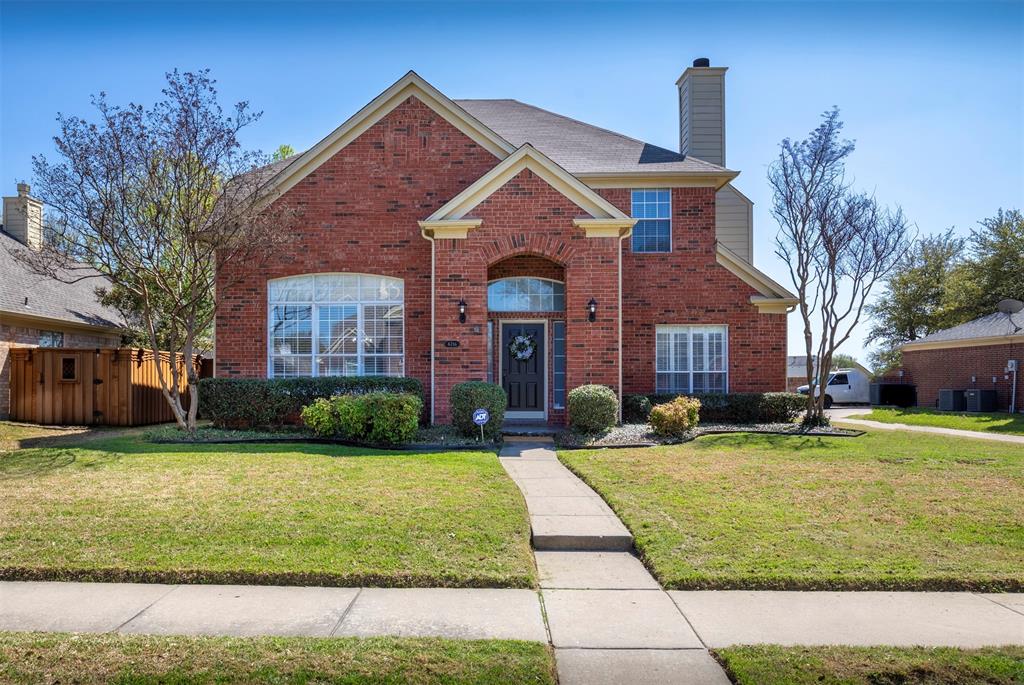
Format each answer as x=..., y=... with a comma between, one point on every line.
x=525, y=294
x=336, y=325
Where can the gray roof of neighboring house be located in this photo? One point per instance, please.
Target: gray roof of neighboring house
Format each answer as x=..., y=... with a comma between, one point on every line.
x=797, y=365
x=47, y=297
x=578, y=147
x=994, y=325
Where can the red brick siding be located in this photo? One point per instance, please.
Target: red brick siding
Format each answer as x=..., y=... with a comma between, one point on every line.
x=359, y=214
x=688, y=287
x=14, y=335
x=526, y=265
x=527, y=217
x=952, y=368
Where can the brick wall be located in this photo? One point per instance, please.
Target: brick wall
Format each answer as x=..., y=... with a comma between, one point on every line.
x=952, y=368
x=359, y=214
x=14, y=335
x=688, y=287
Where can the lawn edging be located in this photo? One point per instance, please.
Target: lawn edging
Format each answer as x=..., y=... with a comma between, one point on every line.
x=716, y=430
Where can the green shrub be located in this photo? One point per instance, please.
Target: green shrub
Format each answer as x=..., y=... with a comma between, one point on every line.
x=593, y=408
x=322, y=418
x=378, y=418
x=674, y=419
x=736, y=407
x=272, y=402
x=467, y=397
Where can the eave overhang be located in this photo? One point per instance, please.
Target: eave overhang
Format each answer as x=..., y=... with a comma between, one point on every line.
x=772, y=298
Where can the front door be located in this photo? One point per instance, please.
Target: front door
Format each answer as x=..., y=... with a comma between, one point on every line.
x=522, y=368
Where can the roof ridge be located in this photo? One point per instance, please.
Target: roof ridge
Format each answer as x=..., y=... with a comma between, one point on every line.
x=577, y=121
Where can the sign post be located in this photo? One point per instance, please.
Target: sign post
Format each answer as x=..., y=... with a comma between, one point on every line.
x=480, y=417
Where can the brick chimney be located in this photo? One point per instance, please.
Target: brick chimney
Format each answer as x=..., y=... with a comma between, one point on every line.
x=702, y=111
x=23, y=218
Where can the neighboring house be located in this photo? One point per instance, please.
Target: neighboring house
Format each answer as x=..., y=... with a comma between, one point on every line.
x=36, y=311
x=796, y=371
x=975, y=354
x=457, y=240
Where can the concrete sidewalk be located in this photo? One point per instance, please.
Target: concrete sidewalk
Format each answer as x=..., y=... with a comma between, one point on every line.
x=843, y=414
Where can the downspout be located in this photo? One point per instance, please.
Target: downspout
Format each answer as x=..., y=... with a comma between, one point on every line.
x=433, y=261
x=627, y=234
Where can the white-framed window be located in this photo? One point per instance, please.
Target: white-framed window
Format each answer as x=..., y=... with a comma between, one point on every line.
x=51, y=339
x=690, y=359
x=525, y=294
x=336, y=325
x=653, y=208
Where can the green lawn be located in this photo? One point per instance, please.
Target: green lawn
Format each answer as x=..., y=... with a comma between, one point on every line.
x=122, y=509
x=887, y=510
x=916, y=416
x=15, y=435
x=94, y=659
x=771, y=665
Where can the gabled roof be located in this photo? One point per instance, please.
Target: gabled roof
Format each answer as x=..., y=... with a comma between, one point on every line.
x=604, y=219
x=26, y=293
x=996, y=328
x=580, y=148
x=773, y=298
x=292, y=170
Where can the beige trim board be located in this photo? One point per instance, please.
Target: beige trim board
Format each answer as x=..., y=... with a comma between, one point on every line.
x=528, y=157
x=34, y=321
x=410, y=85
x=605, y=228
x=710, y=71
x=644, y=179
x=452, y=229
x=774, y=305
x=972, y=342
x=756, y=279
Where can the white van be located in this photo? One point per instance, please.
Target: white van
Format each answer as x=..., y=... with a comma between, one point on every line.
x=844, y=386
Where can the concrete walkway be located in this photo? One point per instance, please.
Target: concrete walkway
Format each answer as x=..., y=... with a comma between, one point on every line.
x=843, y=415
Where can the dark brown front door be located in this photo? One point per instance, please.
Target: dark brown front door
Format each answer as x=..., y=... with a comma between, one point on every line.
x=522, y=366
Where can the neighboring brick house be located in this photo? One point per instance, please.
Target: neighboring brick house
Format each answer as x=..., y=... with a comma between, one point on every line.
x=39, y=311
x=455, y=240
x=976, y=354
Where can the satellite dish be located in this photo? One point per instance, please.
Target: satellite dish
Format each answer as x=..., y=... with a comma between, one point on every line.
x=1010, y=306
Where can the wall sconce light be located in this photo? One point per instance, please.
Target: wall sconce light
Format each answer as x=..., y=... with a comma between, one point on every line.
x=592, y=309
x=462, y=311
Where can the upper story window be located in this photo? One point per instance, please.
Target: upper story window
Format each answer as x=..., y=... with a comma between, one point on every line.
x=653, y=231
x=525, y=294
x=51, y=339
x=336, y=325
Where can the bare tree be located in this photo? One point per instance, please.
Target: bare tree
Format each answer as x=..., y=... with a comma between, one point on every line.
x=837, y=243
x=155, y=200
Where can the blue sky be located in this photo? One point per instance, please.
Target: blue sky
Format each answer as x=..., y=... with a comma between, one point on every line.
x=933, y=92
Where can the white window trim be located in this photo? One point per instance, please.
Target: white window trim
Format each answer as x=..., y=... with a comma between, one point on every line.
x=671, y=248
x=690, y=328
x=359, y=304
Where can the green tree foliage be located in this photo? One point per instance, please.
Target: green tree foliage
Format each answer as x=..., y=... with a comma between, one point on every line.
x=282, y=152
x=993, y=272
x=843, y=361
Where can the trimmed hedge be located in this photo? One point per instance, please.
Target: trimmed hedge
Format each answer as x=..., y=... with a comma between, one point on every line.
x=467, y=397
x=593, y=408
x=272, y=402
x=674, y=419
x=736, y=407
x=378, y=418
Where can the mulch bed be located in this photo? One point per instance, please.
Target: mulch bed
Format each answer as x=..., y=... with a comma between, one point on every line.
x=641, y=435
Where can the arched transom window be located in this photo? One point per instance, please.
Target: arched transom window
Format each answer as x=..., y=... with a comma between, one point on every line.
x=336, y=325
x=525, y=294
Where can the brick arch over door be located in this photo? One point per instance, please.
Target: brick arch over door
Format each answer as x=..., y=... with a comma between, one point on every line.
x=527, y=244
x=526, y=264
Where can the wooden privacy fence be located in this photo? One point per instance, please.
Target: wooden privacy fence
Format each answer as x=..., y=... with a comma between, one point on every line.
x=113, y=387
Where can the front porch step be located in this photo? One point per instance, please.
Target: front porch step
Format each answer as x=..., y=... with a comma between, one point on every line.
x=513, y=429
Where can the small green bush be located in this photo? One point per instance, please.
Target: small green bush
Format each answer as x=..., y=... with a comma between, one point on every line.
x=592, y=408
x=737, y=407
x=467, y=397
x=273, y=402
x=674, y=419
x=378, y=418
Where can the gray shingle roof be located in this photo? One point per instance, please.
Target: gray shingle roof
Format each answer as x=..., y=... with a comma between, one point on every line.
x=578, y=147
x=995, y=325
x=48, y=297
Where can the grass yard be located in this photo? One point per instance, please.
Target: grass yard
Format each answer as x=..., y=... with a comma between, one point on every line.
x=123, y=509
x=888, y=510
x=772, y=665
x=1012, y=424
x=93, y=659
x=15, y=435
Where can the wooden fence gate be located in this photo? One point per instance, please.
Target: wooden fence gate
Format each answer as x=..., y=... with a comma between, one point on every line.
x=75, y=387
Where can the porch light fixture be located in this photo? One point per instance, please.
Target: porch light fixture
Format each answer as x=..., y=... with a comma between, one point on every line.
x=462, y=311
x=592, y=309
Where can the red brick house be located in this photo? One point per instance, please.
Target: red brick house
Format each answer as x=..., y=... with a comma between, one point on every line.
x=455, y=240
